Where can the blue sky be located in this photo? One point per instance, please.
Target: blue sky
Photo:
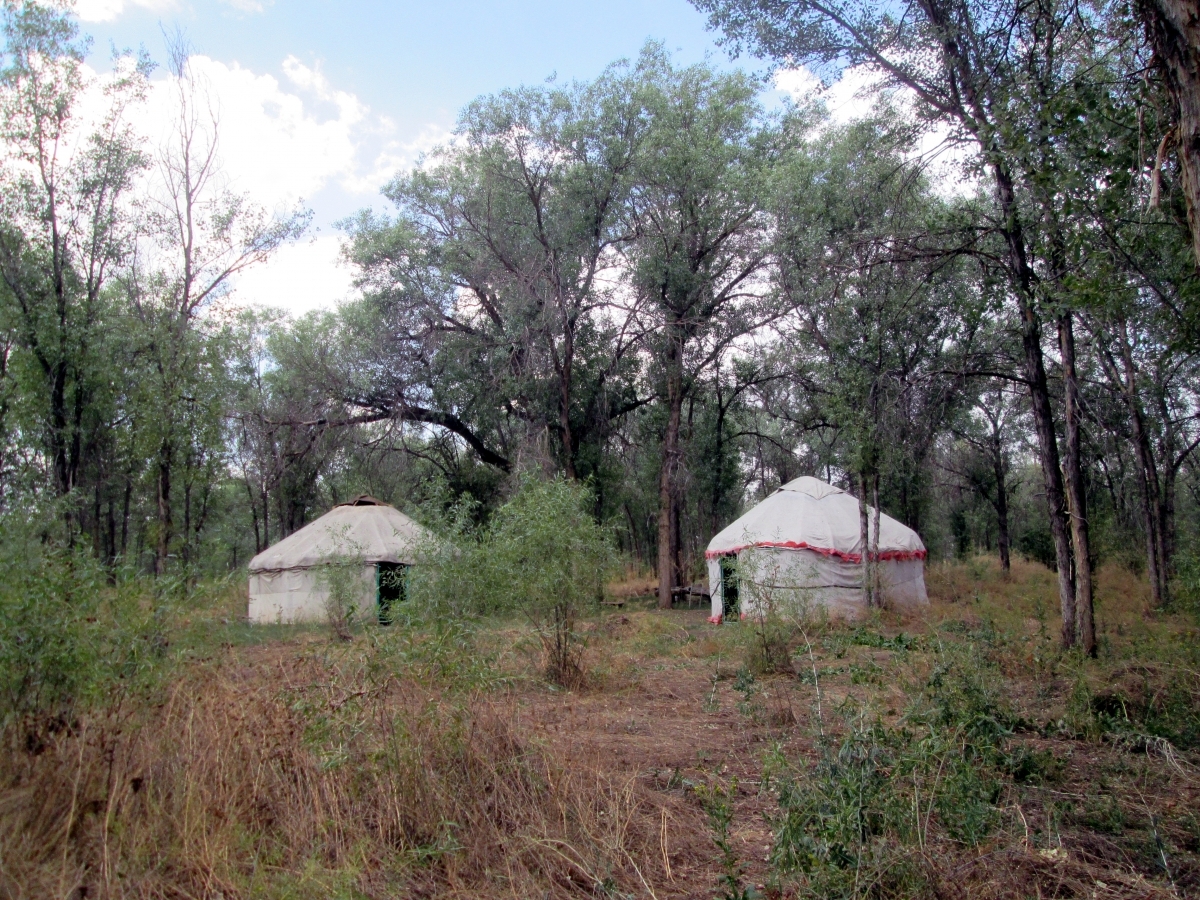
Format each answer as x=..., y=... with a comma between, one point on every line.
x=417, y=62
x=321, y=103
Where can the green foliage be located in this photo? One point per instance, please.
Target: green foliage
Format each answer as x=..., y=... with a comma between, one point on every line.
x=449, y=657
x=348, y=589
x=718, y=803
x=69, y=637
x=877, y=795
x=1185, y=590
x=541, y=555
x=1141, y=707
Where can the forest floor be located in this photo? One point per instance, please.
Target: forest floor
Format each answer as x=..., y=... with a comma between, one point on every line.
x=958, y=753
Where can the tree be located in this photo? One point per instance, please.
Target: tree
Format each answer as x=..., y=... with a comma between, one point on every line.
x=986, y=433
x=698, y=214
x=501, y=266
x=197, y=236
x=875, y=327
x=990, y=70
x=1173, y=29
x=63, y=229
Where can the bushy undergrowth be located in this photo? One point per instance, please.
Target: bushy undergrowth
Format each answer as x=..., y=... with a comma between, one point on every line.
x=937, y=760
x=334, y=774
x=1141, y=703
x=1185, y=587
x=864, y=817
x=541, y=555
x=71, y=632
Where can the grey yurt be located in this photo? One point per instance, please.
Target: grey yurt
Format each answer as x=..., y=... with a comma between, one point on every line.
x=289, y=581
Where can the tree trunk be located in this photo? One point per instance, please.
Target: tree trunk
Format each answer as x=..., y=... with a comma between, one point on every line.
x=258, y=545
x=1002, y=540
x=667, y=512
x=864, y=540
x=165, y=525
x=1171, y=461
x=110, y=543
x=125, y=516
x=1039, y=395
x=677, y=540
x=1173, y=28
x=187, y=523
x=1147, y=476
x=265, y=498
x=876, y=585
x=97, y=530
x=1166, y=519
x=564, y=408
x=1085, y=630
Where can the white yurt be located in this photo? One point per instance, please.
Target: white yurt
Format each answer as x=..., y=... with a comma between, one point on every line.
x=289, y=581
x=803, y=545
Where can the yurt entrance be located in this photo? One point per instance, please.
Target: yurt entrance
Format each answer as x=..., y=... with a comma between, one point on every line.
x=390, y=589
x=729, y=588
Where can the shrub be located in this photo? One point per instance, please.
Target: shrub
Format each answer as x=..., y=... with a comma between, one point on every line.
x=542, y=555
x=67, y=636
x=878, y=796
x=1185, y=588
x=341, y=576
x=1141, y=704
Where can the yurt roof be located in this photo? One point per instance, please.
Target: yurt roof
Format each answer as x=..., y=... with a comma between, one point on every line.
x=809, y=514
x=363, y=528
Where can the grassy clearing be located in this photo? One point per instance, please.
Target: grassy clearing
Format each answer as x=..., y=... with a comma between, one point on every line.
x=956, y=754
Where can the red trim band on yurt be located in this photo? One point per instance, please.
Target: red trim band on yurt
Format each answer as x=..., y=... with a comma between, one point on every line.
x=899, y=555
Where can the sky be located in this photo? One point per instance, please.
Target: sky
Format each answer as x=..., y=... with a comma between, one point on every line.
x=321, y=103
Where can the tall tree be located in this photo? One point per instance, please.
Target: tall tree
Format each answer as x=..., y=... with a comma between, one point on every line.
x=982, y=68
x=503, y=258
x=876, y=325
x=697, y=210
x=197, y=235
x=63, y=228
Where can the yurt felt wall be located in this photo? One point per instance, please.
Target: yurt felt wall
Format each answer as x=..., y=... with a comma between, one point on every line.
x=289, y=581
x=802, y=547
x=300, y=595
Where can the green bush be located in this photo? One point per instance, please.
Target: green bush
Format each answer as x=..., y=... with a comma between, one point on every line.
x=71, y=632
x=878, y=795
x=541, y=555
x=1185, y=587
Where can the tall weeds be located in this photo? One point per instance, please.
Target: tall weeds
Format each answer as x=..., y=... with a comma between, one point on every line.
x=882, y=804
x=331, y=776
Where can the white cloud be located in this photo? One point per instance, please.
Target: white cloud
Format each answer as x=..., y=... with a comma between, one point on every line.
x=108, y=10
x=247, y=6
x=849, y=98
x=397, y=155
x=853, y=96
x=300, y=277
x=282, y=141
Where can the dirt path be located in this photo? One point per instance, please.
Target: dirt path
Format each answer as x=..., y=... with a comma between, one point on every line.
x=679, y=724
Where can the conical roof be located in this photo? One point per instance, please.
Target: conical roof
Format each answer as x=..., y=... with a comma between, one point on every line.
x=810, y=514
x=364, y=528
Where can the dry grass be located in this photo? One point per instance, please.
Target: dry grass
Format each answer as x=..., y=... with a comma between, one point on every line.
x=279, y=763
x=305, y=777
